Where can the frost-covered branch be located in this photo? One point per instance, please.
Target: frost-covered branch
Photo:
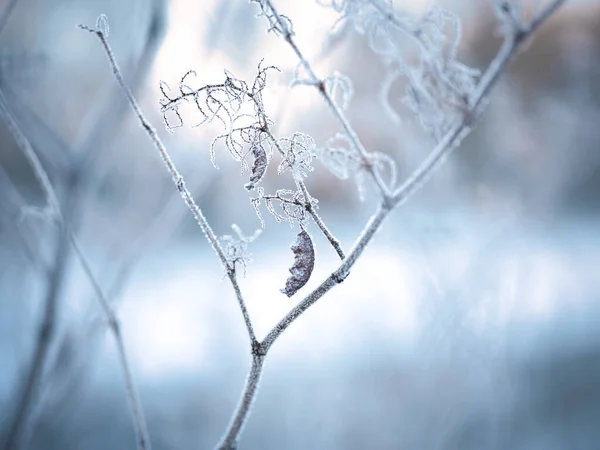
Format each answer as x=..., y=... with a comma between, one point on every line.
x=513, y=42
x=101, y=31
x=450, y=141
x=139, y=421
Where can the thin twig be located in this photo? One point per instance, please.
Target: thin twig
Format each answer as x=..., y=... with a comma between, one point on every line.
x=309, y=206
x=176, y=175
x=450, y=141
x=139, y=421
x=46, y=330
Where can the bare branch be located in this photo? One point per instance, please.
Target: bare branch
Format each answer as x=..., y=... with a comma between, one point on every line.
x=139, y=421
x=101, y=32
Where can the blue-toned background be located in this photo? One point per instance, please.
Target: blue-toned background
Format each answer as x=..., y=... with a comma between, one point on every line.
x=471, y=321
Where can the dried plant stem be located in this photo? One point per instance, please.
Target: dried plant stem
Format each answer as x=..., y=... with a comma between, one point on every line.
x=308, y=204
x=139, y=421
x=231, y=438
x=177, y=179
x=508, y=50
x=335, y=109
x=310, y=209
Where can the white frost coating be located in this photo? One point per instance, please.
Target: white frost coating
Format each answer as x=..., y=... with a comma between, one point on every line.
x=236, y=248
x=298, y=150
x=285, y=206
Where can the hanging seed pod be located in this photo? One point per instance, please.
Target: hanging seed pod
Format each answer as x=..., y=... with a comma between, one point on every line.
x=259, y=167
x=304, y=262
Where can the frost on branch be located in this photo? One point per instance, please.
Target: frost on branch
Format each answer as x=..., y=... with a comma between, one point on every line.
x=439, y=86
x=304, y=263
x=344, y=162
x=278, y=23
x=285, y=206
x=236, y=248
x=338, y=86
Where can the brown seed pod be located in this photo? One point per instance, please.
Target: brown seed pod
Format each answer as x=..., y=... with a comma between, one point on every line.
x=259, y=167
x=304, y=262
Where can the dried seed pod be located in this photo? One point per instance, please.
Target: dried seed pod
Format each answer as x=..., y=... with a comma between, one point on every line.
x=304, y=262
x=259, y=167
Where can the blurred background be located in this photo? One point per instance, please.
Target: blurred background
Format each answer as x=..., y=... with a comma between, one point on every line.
x=471, y=322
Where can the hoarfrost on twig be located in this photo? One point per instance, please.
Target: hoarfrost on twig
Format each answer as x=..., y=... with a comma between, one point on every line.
x=236, y=248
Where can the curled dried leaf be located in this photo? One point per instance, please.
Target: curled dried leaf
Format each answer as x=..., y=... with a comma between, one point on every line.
x=304, y=262
x=259, y=167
